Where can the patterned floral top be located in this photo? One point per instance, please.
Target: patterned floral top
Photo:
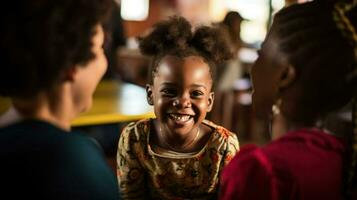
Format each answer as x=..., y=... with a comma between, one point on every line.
x=150, y=172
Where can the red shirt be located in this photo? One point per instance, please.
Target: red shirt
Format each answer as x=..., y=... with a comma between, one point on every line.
x=304, y=164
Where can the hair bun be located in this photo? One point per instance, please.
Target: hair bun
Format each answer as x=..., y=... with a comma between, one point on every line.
x=173, y=33
x=209, y=40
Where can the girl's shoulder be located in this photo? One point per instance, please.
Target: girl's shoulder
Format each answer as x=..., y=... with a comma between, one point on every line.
x=222, y=138
x=220, y=131
x=137, y=131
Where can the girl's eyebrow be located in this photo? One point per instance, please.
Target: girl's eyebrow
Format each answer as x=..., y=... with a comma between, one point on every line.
x=168, y=83
x=192, y=85
x=199, y=85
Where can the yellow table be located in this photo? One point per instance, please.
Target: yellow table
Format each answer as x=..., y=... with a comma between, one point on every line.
x=113, y=102
x=4, y=104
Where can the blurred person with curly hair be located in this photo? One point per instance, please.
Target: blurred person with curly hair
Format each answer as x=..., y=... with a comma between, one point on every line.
x=52, y=59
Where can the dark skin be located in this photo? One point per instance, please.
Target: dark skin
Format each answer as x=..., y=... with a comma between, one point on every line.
x=181, y=95
x=275, y=82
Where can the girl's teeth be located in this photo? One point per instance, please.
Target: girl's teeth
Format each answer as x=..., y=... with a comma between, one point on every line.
x=180, y=117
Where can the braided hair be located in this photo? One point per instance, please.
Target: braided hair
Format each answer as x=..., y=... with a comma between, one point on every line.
x=175, y=37
x=319, y=39
x=342, y=14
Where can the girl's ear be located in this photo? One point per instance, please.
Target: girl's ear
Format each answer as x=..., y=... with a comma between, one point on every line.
x=210, y=101
x=287, y=77
x=149, y=95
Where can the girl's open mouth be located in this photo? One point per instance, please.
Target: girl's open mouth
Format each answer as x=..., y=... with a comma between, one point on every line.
x=180, y=118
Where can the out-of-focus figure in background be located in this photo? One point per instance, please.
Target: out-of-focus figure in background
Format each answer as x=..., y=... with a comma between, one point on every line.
x=233, y=99
x=231, y=71
x=116, y=39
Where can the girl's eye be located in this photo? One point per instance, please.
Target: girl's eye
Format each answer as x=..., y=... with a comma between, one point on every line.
x=168, y=92
x=197, y=93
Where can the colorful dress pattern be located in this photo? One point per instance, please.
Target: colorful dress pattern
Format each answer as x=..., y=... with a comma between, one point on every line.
x=146, y=173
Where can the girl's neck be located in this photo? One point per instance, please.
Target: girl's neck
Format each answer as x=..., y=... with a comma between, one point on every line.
x=190, y=143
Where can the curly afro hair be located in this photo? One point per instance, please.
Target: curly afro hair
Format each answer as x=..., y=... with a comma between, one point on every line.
x=176, y=37
x=42, y=38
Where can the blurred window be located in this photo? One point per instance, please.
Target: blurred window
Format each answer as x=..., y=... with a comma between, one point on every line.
x=256, y=13
x=134, y=10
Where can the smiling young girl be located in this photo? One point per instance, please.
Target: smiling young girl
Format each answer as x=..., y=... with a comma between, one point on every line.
x=178, y=155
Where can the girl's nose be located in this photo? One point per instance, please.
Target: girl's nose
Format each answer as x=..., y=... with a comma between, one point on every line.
x=182, y=102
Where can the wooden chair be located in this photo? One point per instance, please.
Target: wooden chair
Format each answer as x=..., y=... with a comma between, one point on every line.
x=233, y=110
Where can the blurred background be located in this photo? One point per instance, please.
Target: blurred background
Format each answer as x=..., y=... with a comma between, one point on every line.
x=120, y=97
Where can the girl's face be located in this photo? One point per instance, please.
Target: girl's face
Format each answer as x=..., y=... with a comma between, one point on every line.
x=181, y=94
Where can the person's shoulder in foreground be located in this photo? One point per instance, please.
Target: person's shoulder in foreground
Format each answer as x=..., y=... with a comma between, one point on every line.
x=286, y=168
x=77, y=171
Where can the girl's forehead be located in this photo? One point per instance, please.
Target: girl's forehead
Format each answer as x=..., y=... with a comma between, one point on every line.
x=173, y=59
x=188, y=69
x=175, y=63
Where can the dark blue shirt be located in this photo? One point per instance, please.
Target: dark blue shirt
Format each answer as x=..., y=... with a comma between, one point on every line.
x=41, y=161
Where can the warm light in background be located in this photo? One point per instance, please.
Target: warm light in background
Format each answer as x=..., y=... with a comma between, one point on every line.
x=277, y=5
x=134, y=10
x=195, y=11
x=255, y=11
x=217, y=10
